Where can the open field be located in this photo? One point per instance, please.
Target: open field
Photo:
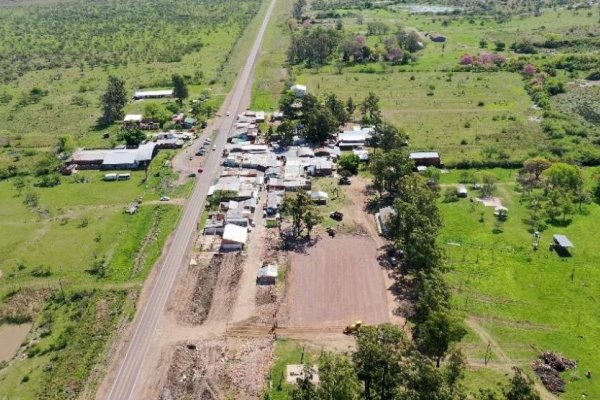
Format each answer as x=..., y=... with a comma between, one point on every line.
x=203, y=46
x=337, y=281
x=461, y=116
x=527, y=301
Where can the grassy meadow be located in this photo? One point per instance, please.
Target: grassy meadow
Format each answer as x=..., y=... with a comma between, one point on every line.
x=72, y=260
x=458, y=115
x=527, y=301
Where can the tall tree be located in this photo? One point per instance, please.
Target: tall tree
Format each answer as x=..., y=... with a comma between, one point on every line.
x=286, y=132
x=336, y=106
x=388, y=137
x=319, y=125
x=369, y=109
x=562, y=176
x=437, y=333
x=305, y=389
x=113, y=100
x=338, y=380
x=350, y=107
x=521, y=387
x=180, y=89
x=378, y=359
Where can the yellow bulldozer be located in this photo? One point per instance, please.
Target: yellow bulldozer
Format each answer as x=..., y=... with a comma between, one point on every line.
x=352, y=328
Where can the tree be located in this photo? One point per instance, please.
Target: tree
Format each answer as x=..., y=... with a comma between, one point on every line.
x=113, y=100
x=311, y=219
x=559, y=203
x=32, y=199
x=338, y=380
x=287, y=104
x=488, y=186
x=286, y=132
x=133, y=137
x=336, y=106
x=377, y=360
x=437, y=333
x=455, y=370
x=180, y=89
x=369, y=109
x=298, y=9
x=305, y=390
x=350, y=107
x=301, y=209
x=565, y=177
x=521, y=387
x=529, y=175
x=157, y=112
x=319, y=125
x=387, y=137
x=434, y=295
x=389, y=168
x=349, y=162
x=65, y=144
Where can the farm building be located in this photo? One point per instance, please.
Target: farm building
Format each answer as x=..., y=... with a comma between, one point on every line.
x=115, y=159
x=189, y=123
x=234, y=238
x=320, y=167
x=267, y=275
x=299, y=90
x=362, y=154
x=462, y=191
x=348, y=140
x=426, y=158
x=132, y=121
x=152, y=94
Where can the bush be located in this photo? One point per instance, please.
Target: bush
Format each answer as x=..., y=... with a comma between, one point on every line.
x=594, y=76
x=450, y=195
x=349, y=162
x=41, y=272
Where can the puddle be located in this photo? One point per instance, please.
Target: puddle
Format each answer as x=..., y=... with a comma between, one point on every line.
x=11, y=337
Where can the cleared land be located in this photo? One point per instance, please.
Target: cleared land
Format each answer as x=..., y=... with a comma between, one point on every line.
x=337, y=281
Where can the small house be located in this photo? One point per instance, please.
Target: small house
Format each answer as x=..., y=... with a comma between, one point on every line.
x=132, y=121
x=234, y=238
x=319, y=197
x=152, y=94
x=426, y=158
x=189, y=123
x=267, y=275
x=299, y=90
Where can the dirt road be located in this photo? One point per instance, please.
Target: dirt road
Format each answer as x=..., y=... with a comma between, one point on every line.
x=123, y=383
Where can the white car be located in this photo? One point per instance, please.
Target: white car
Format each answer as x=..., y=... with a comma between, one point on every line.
x=165, y=198
x=227, y=113
x=214, y=147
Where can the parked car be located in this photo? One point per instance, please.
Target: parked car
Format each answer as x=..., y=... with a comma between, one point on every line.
x=200, y=170
x=165, y=198
x=214, y=147
x=192, y=175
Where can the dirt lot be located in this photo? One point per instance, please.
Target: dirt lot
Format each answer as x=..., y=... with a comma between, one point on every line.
x=337, y=281
x=218, y=368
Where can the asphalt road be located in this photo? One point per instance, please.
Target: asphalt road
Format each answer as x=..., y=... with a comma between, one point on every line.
x=145, y=324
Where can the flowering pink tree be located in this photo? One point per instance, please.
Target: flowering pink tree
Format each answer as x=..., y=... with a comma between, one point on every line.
x=466, y=59
x=394, y=53
x=529, y=69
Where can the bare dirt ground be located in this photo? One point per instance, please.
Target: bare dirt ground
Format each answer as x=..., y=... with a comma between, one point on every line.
x=218, y=368
x=337, y=281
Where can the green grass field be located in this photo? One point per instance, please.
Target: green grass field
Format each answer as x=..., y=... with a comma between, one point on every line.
x=528, y=301
x=460, y=117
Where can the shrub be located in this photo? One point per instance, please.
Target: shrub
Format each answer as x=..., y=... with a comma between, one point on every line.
x=349, y=162
x=41, y=272
x=450, y=195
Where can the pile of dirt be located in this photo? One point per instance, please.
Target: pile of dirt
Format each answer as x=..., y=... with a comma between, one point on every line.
x=549, y=366
x=214, y=286
x=198, y=307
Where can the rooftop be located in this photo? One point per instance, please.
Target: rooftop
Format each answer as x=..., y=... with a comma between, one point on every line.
x=562, y=241
x=234, y=233
x=424, y=154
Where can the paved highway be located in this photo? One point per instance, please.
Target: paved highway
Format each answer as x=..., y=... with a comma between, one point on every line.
x=124, y=384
